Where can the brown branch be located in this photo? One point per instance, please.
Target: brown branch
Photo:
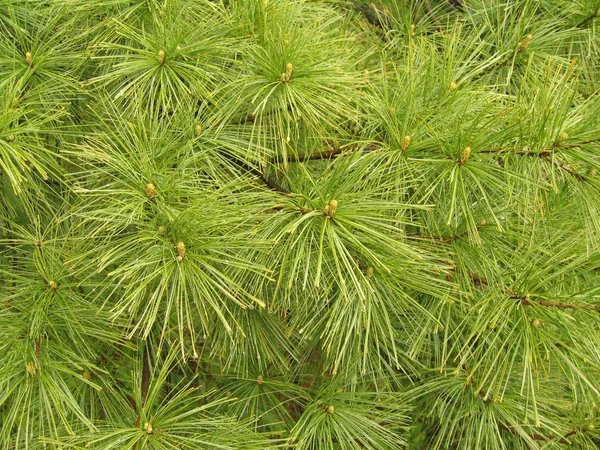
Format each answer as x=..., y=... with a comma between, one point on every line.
x=553, y=304
x=440, y=240
x=526, y=300
x=373, y=15
x=144, y=387
x=332, y=152
x=539, y=437
x=563, y=166
x=431, y=14
x=588, y=19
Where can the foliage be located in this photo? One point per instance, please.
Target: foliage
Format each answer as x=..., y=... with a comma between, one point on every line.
x=307, y=224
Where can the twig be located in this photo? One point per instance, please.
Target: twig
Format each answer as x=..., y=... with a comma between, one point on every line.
x=539, y=437
x=440, y=240
x=588, y=19
x=526, y=299
x=373, y=16
x=563, y=166
x=429, y=10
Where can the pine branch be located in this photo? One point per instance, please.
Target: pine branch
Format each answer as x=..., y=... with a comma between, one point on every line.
x=588, y=19
x=373, y=16
x=526, y=300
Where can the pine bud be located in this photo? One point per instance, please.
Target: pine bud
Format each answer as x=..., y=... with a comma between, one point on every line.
x=331, y=208
x=180, y=251
x=591, y=426
x=563, y=136
x=370, y=271
x=161, y=57
x=411, y=31
x=10, y=138
x=28, y=58
x=86, y=375
x=536, y=323
x=228, y=394
x=198, y=130
x=452, y=86
x=285, y=77
x=330, y=409
x=151, y=191
x=524, y=43
x=464, y=156
x=52, y=285
x=31, y=368
x=593, y=172
x=161, y=229
x=259, y=380
x=405, y=142
x=148, y=428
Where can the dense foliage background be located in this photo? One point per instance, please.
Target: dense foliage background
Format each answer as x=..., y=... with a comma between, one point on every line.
x=308, y=224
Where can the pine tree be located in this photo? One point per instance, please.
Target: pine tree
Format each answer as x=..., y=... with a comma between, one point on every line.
x=302, y=224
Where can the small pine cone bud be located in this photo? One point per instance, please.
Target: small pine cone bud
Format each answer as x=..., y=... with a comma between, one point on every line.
x=593, y=172
x=28, y=58
x=285, y=77
x=10, y=138
x=161, y=229
x=228, y=394
x=525, y=43
x=86, y=375
x=370, y=271
x=180, y=250
x=464, y=156
x=161, y=57
x=536, y=323
x=591, y=426
x=288, y=68
x=330, y=409
x=452, y=86
x=411, y=31
x=31, y=368
x=151, y=191
x=483, y=222
x=52, y=285
x=148, y=428
x=563, y=136
x=405, y=142
x=259, y=380
x=198, y=130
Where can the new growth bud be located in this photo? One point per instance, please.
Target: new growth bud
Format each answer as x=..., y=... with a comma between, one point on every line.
x=180, y=251
x=259, y=380
x=452, y=86
x=28, y=58
x=563, y=136
x=52, y=285
x=405, y=142
x=148, y=428
x=524, y=43
x=161, y=57
x=31, y=368
x=536, y=323
x=285, y=76
x=464, y=156
x=198, y=130
x=330, y=409
x=151, y=191
x=330, y=208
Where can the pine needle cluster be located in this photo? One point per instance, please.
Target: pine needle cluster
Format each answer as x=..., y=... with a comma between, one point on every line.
x=301, y=224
